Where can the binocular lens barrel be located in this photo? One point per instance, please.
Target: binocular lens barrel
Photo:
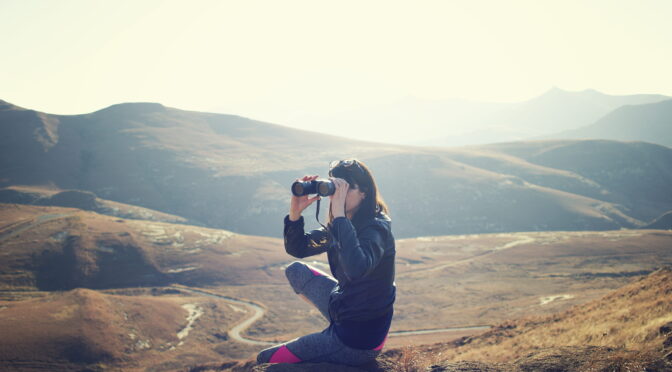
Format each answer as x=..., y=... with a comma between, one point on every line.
x=321, y=187
x=298, y=188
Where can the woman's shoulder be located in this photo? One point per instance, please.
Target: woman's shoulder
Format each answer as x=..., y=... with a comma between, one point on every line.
x=381, y=221
x=383, y=224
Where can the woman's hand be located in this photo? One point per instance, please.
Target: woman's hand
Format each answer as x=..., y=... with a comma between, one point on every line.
x=299, y=203
x=338, y=198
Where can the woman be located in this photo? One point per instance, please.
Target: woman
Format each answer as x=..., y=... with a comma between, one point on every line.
x=358, y=300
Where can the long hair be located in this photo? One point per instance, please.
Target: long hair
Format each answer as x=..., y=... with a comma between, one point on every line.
x=358, y=174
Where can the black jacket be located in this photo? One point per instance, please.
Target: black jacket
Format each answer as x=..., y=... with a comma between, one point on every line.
x=361, y=259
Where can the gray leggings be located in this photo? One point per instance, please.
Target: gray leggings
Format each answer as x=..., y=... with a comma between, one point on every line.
x=316, y=347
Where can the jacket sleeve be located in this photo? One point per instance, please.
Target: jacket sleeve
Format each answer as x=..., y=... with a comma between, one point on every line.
x=300, y=244
x=359, y=255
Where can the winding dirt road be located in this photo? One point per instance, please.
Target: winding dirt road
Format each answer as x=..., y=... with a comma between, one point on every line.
x=235, y=332
x=258, y=312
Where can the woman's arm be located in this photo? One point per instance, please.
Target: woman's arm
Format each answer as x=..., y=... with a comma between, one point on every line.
x=359, y=255
x=299, y=244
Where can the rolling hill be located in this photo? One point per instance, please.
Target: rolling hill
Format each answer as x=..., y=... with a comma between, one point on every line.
x=83, y=329
x=560, y=109
x=232, y=173
x=646, y=122
x=84, y=200
x=414, y=121
x=630, y=327
x=554, y=110
x=53, y=248
x=626, y=174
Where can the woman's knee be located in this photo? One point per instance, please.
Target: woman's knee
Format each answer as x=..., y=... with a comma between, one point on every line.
x=298, y=274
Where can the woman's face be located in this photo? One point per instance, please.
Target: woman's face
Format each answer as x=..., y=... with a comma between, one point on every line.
x=353, y=200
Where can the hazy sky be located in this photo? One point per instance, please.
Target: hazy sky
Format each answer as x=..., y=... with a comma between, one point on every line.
x=278, y=60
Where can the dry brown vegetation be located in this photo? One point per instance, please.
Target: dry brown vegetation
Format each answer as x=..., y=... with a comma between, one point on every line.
x=456, y=281
x=629, y=329
x=61, y=248
x=442, y=282
x=138, y=329
x=630, y=326
x=52, y=196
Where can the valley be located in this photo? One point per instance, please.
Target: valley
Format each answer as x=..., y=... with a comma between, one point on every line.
x=231, y=298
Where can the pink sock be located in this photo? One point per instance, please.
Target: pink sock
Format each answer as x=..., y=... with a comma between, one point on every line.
x=283, y=355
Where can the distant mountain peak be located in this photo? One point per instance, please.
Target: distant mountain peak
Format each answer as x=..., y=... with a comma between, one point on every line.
x=553, y=94
x=556, y=91
x=134, y=108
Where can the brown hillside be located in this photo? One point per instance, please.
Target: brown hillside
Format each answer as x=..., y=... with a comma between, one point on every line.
x=644, y=122
x=636, y=317
x=86, y=200
x=84, y=327
x=52, y=248
x=634, y=173
x=469, y=280
x=163, y=329
x=630, y=329
x=450, y=281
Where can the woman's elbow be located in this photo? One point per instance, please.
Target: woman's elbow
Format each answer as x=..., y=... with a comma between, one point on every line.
x=294, y=252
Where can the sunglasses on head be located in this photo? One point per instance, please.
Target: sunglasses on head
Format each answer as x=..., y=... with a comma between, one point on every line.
x=345, y=164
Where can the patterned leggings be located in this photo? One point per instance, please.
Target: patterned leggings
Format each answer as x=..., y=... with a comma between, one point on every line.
x=316, y=347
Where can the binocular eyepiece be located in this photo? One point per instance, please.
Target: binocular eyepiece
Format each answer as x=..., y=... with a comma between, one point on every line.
x=320, y=187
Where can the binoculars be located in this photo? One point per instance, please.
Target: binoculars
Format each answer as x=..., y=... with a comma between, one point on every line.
x=321, y=187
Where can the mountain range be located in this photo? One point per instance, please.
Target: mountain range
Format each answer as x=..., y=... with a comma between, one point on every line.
x=229, y=172
x=647, y=122
x=461, y=122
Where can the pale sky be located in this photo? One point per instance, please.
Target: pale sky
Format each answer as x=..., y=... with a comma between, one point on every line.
x=279, y=60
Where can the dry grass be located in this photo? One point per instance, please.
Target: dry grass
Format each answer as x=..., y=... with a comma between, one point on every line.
x=134, y=331
x=627, y=319
x=409, y=359
x=442, y=281
x=98, y=251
